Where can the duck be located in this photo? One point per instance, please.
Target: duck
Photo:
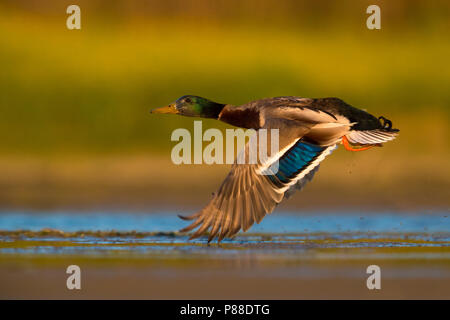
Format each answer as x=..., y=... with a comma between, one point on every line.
x=309, y=130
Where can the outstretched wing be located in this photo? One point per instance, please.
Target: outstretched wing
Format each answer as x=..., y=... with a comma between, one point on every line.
x=250, y=191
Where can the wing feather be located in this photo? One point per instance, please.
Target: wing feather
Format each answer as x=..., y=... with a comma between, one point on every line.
x=246, y=195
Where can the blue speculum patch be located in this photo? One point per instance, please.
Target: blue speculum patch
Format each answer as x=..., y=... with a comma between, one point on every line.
x=294, y=161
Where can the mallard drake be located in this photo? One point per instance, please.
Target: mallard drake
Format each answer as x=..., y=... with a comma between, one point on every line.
x=309, y=130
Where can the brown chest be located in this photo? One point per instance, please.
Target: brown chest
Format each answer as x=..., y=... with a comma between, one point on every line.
x=243, y=118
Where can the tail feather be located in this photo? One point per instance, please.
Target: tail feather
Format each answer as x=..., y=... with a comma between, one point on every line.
x=371, y=136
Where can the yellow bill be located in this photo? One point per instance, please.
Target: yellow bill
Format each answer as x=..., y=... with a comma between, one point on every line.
x=167, y=109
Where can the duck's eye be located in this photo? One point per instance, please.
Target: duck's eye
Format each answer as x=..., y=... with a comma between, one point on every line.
x=188, y=100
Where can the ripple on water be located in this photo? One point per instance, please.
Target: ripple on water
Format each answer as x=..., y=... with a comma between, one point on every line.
x=278, y=234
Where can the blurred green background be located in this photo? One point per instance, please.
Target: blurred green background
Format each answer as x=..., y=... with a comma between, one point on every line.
x=74, y=123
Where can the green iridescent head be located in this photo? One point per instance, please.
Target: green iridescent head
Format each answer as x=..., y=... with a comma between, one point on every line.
x=193, y=106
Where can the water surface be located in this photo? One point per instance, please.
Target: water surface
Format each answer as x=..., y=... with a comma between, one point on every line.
x=287, y=234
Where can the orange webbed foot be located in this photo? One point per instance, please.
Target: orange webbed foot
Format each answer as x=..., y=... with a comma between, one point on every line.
x=350, y=148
